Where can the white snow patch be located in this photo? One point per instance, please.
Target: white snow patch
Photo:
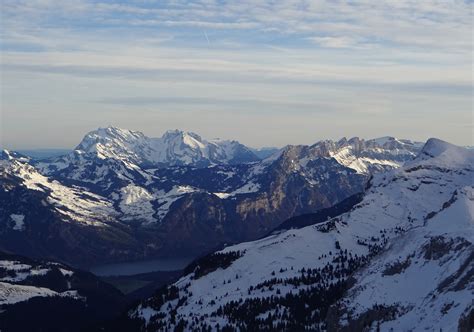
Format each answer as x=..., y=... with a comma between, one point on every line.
x=168, y=198
x=145, y=313
x=19, y=220
x=66, y=273
x=136, y=204
x=222, y=195
x=248, y=188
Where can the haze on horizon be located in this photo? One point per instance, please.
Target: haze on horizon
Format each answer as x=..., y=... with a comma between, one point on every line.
x=262, y=72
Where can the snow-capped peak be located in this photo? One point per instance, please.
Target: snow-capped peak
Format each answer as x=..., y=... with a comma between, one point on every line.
x=175, y=147
x=435, y=147
x=385, y=139
x=189, y=139
x=443, y=154
x=110, y=133
x=169, y=134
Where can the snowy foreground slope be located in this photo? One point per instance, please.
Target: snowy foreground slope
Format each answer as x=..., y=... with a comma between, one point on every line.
x=402, y=259
x=50, y=296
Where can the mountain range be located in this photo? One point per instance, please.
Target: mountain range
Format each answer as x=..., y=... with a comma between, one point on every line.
x=123, y=196
x=348, y=235
x=174, y=148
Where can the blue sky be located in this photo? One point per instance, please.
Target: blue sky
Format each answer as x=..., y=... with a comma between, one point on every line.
x=266, y=73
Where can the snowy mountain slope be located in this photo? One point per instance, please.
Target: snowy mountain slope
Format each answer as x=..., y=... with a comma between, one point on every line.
x=99, y=198
x=11, y=294
x=73, y=203
x=49, y=296
x=42, y=217
x=83, y=167
x=425, y=279
x=298, y=279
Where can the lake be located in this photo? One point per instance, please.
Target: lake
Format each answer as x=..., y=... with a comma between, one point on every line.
x=137, y=267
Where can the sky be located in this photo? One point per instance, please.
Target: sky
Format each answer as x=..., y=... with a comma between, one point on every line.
x=267, y=73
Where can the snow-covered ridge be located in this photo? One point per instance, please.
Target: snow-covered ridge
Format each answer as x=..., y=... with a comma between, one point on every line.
x=365, y=156
x=16, y=271
x=11, y=294
x=444, y=154
x=408, y=245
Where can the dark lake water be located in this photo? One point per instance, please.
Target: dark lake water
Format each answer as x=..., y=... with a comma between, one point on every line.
x=130, y=268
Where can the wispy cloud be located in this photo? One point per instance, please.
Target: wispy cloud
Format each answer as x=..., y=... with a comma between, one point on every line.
x=440, y=24
x=334, y=42
x=295, y=56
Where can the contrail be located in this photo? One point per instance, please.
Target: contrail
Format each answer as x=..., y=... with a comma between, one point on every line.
x=205, y=34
